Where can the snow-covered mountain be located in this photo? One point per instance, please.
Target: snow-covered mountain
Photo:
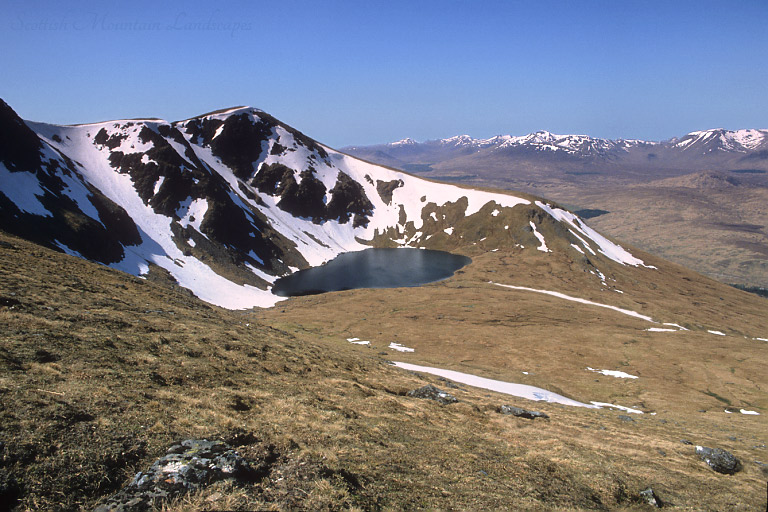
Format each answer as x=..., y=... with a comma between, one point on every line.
x=741, y=141
x=539, y=141
x=226, y=202
x=719, y=148
x=582, y=145
x=708, y=141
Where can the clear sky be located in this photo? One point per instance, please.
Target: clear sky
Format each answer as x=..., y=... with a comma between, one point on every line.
x=364, y=72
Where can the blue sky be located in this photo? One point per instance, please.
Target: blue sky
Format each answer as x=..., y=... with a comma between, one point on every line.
x=364, y=72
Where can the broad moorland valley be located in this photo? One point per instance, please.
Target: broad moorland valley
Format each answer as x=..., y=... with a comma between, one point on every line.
x=136, y=261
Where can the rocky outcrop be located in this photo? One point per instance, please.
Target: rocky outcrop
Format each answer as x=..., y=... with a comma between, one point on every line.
x=521, y=413
x=187, y=466
x=649, y=496
x=430, y=392
x=719, y=460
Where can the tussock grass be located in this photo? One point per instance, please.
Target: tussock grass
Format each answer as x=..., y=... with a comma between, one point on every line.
x=101, y=372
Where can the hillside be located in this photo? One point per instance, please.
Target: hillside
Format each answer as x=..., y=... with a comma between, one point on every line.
x=224, y=203
x=655, y=192
x=633, y=359
x=103, y=371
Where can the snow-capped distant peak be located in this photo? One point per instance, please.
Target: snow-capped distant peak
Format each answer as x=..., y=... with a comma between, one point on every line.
x=720, y=139
x=404, y=142
x=459, y=140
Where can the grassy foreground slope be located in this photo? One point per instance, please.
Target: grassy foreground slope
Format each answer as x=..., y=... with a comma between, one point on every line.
x=100, y=372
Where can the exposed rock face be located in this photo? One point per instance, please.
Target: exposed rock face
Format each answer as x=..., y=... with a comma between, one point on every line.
x=19, y=146
x=59, y=208
x=521, y=413
x=650, y=497
x=188, y=465
x=385, y=189
x=719, y=460
x=430, y=392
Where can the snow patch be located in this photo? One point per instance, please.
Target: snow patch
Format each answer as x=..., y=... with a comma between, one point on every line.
x=613, y=373
x=576, y=299
x=543, y=246
x=158, y=184
x=24, y=190
x=675, y=325
x=400, y=348
x=619, y=407
x=191, y=212
x=508, y=388
x=607, y=248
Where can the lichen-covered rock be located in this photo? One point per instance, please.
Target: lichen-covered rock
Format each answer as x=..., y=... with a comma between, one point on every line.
x=649, y=496
x=719, y=460
x=188, y=465
x=521, y=413
x=430, y=392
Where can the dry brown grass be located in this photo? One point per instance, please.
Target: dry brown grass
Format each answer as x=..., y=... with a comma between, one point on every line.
x=132, y=367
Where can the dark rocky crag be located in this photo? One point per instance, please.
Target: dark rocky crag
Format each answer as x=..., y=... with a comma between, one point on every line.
x=99, y=239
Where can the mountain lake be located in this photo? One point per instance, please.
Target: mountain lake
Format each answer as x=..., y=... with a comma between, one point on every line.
x=372, y=268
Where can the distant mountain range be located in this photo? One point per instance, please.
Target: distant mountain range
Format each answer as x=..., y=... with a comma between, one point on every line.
x=716, y=149
x=226, y=202
x=697, y=200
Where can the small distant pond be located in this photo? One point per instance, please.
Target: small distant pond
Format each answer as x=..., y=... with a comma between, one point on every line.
x=372, y=268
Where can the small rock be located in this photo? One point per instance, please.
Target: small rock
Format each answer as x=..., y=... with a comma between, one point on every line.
x=521, y=413
x=719, y=460
x=650, y=497
x=430, y=392
x=685, y=441
x=624, y=417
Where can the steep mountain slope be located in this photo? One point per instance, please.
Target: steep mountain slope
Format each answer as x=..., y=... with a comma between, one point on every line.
x=226, y=202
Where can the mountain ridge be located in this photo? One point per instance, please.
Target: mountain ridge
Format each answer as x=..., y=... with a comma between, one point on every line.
x=747, y=138
x=224, y=203
x=715, y=149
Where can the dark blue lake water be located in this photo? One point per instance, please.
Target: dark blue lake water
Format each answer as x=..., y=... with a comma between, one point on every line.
x=372, y=268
